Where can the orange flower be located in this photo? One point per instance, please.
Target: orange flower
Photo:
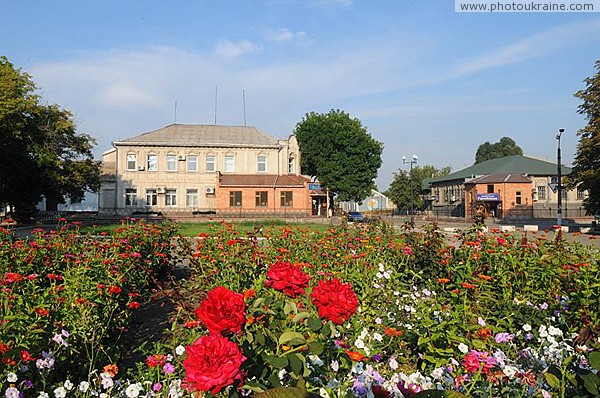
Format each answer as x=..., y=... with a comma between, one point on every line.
x=484, y=277
x=248, y=294
x=467, y=285
x=392, y=331
x=483, y=333
x=355, y=356
x=41, y=311
x=111, y=370
x=443, y=281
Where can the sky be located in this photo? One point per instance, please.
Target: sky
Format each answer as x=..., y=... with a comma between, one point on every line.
x=423, y=79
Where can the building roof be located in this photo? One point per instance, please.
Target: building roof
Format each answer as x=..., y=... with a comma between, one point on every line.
x=499, y=178
x=517, y=164
x=267, y=180
x=204, y=136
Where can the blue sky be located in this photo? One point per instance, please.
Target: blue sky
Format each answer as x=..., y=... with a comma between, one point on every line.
x=422, y=79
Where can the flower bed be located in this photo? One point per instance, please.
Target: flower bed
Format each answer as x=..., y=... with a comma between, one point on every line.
x=364, y=311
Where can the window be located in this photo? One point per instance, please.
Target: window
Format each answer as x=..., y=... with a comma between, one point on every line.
x=171, y=197
x=171, y=162
x=292, y=165
x=490, y=189
x=191, y=198
x=261, y=163
x=541, y=192
x=152, y=162
x=563, y=193
x=210, y=163
x=130, y=196
x=518, y=197
x=151, y=197
x=262, y=198
x=580, y=193
x=131, y=161
x=287, y=199
x=192, y=163
x=235, y=199
x=229, y=164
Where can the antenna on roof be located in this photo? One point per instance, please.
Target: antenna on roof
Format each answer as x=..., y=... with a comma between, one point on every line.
x=216, y=105
x=175, y=112
x=244, y=98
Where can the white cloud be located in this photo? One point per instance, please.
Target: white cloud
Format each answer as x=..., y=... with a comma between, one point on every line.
x=284, y=35
x=125, y=95
x=229, y=49
x=531, y=47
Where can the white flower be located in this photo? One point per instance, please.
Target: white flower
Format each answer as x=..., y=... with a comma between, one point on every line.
x=104, y=395
x=527, y=327
x=359, y=343
x=133, y=390
x=379, y=275
x=11, y=377
x=282, y=374
x=68, y=385
x=180, y=350
x=386, y=275
x=358, y=368
x=437, y=373
x=462, y=347
x=393, y=363
x=335, y=366
x=378, y=321
x=60, y=392
x=323, y=393
x=509, y=371
x=316, y=360
x=554, y=331
x=481, y=321
x=12, y=392
x=43, y=395
x=84, y=386
x=377, y=336
x=381, y=267
x=543, y=331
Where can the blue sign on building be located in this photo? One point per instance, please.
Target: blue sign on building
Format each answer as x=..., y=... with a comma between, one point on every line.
x=488, y=197
x=315, y=187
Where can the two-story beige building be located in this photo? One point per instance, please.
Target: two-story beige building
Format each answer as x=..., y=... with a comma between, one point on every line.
x=178, y=168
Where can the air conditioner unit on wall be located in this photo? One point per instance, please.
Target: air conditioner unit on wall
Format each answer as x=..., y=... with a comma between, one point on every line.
x=210, y=190
x=160, y=190
x=181, y=157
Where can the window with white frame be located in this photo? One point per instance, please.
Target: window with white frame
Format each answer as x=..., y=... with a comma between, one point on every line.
x=191, y=197
x=152, y=164
x=210, y=163
x=292, y=165
x=171, y=197
x=261, y=163
x=171, y=162
x=130, y=196
x=580, y=193
x=541, y=192
x=192, y=163
x=131, y=161
x=151, y=197
x=229, y=163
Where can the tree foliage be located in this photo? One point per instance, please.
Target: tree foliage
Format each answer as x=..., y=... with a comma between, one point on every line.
x=586, y=166
x=505, y=147
x=43, y=155
x=340, y=152
x=402, y=185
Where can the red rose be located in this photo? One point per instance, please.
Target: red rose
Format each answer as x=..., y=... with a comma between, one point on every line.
x=213, y=363
x=288, y=278
x=222, y=311
x=335, y=300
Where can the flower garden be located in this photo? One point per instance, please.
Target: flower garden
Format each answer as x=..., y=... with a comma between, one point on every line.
x=355, y=311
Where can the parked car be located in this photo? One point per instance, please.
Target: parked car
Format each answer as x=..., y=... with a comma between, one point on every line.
x=356, y=216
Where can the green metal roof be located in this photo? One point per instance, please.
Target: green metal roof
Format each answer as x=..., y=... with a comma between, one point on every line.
x=507, y=165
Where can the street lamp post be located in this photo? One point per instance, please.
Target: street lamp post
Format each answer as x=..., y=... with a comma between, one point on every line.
x=559, y=182
x=411, y=162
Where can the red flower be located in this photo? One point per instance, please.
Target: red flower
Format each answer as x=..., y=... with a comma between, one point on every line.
x=156, y=360
x=222, y=311
x=335, y=300
x=471, y=362
x=12, y=277
x=134, y=305
x=41, y=311
x=467, y=285
x=213, y=363
x=115, y=290
x=355, y=356
x=26, y=356
x=287, y=278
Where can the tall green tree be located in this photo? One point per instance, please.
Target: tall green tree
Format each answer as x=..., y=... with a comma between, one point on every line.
x=340, y=152
x=43, y=155
x=505, y=147
x=403, y=186
x=586, y=166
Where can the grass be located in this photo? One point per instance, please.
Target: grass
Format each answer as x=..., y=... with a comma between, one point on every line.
x=243, y=227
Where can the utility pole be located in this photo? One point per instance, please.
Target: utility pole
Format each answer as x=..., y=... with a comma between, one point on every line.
x=412, y=162
x=559, y=182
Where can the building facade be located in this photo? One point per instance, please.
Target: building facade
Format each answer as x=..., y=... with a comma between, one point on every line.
x=181, y=168
x=454, y=195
